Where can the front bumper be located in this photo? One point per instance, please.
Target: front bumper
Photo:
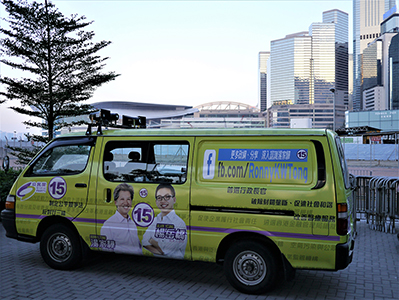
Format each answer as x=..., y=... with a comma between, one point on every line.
x=8, y=220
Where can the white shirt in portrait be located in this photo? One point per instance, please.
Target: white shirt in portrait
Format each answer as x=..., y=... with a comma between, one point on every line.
x=124, y=232
x=170, y=232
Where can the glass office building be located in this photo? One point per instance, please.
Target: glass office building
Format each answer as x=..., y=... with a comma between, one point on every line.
x=379, y=67
x=341, y=39
x=376, y=70
x=263, y=57
x=373, y=91
x=390, y=26
x=311, y=68
x=394, y=73
x=372, y=65
x=391, y=23
x=367, y=17
x=290, y=69
x=323, y=57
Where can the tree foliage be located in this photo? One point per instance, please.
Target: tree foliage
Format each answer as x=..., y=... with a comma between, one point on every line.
x=61, y=59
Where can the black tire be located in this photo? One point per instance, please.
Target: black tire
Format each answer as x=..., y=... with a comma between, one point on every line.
x=60, y=247
x=251, y=267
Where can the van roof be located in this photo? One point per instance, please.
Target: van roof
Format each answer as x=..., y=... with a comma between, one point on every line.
x=204, y=132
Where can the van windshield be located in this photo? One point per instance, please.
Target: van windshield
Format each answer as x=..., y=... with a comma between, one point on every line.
x=344, y=166
x=62, y=160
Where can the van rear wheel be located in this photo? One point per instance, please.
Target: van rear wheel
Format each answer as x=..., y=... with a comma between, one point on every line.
x=60, y=247
x=251, y=267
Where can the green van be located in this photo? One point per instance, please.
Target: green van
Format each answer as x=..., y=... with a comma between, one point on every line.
x=260, y=202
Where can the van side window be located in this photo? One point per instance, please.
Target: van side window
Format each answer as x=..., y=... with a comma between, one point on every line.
x=62, y=160
x=146, y=161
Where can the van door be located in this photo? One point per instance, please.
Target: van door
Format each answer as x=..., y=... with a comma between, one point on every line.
x=57, y=181
x=152, y=176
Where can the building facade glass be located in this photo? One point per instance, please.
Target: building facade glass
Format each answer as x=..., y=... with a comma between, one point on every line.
x=394, y=73
x=372, y=64
x=340, y=20
x=391, y=24
x=311, y=68
x=290, y=69
x=367, y=17
x=385, y=120
x=263, y=57
x=323, y=55
x=377, y=70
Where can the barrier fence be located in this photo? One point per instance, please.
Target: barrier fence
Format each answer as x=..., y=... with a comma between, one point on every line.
x=377, y=200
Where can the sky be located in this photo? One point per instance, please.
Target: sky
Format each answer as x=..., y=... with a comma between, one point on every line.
x=183, y=52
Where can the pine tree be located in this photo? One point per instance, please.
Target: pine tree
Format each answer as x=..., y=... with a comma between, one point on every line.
x=61, y=59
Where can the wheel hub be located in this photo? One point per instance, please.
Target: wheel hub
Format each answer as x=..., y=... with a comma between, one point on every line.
x=249, y=268
x=59, y=247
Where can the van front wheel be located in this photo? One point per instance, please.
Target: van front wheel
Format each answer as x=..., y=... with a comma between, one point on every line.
x=250, y=267
x=60, y=247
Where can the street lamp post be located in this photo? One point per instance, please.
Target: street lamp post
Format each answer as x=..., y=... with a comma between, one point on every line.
x=332, y=90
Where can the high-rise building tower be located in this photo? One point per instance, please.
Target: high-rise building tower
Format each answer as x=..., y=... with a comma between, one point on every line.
x=290, y=69
x=350, y=82
x=367, y=16
x=341, y=40
x=379, y=62
x=394, y=73
x=390, y=26
x=262, y=71
x=309, y=73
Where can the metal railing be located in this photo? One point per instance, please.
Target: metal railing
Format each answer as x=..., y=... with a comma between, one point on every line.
x=377, y=199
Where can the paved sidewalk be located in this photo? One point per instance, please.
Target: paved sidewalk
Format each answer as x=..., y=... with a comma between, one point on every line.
x=373, y=274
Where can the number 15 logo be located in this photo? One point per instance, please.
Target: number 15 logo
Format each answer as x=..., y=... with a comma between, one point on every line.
x=57, y=187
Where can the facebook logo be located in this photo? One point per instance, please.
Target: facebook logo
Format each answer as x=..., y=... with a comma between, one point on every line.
x=208, y=169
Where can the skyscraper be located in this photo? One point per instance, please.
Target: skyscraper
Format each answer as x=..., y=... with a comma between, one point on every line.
x=309, y=73
x=350, y=82
x=341, y=40
x=290, y=69
x=262, y=71
x=372, y=88
x=379, y=66
x=367, y=16
x=394, y=73
x=376, y=72
x=390, y=27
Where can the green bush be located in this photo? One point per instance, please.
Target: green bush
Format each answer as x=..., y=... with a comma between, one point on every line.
x=6, y=181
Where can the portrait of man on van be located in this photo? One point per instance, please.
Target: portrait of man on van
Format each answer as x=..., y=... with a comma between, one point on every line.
x=120, y=228
x=167, y=235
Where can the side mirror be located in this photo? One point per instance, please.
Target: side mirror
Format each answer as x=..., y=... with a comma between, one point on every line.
x=6, y=163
